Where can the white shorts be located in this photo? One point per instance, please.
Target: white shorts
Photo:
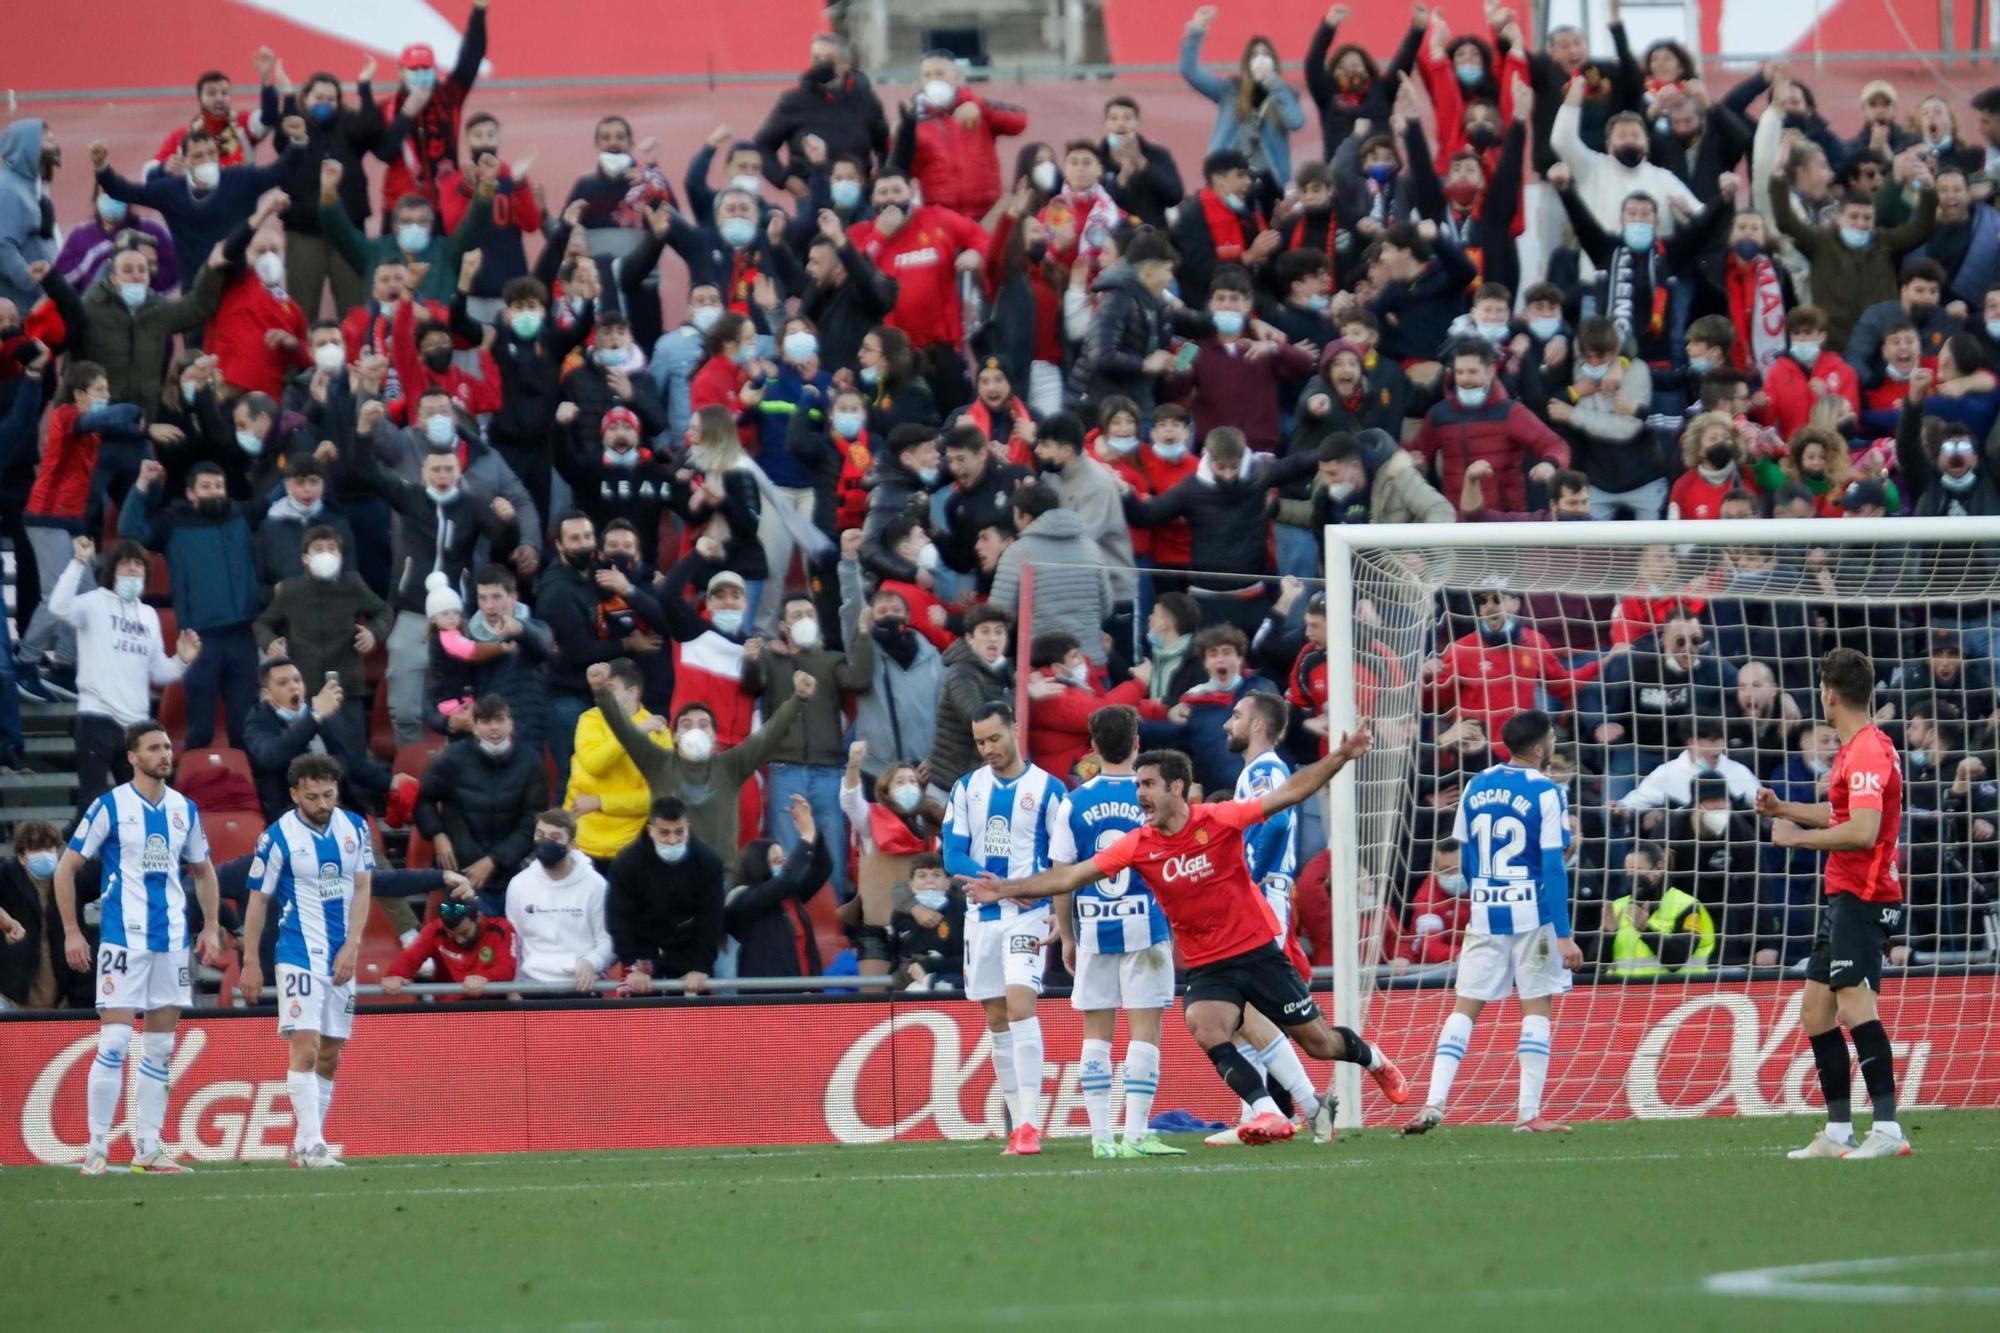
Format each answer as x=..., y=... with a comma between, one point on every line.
x=312, y=1002
x=1004, y=953
x=1281, y=908
x=1141, y=980
x=142, y=980
x=1490, y=965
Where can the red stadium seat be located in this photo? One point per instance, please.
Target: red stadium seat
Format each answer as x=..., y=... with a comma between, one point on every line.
x=158, y=584
x=231, y=835
x=419, y=856
x=381, y=732
x=228, y=757
x=415, y=757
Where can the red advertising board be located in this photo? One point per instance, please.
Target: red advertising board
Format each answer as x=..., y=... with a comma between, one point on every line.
x=119, y=44
x=426, y=1081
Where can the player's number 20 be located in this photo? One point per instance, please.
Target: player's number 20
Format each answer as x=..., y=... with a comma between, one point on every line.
x=298, y=985
x=1500, y=861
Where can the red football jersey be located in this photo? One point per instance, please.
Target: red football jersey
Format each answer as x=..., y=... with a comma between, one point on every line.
x=1201, y=880
x=1867, y=776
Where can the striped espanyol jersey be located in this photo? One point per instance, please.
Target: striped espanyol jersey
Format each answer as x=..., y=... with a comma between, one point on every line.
x=1117, y=914
x=142, y=847
x=1272, y=847
x=311, y=872
x=1001, y=825
x=1511, y=831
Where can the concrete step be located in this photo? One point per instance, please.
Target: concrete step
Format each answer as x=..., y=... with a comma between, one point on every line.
x=59, y=815
x=49, y=745
x=18, y=787
x=43, y=718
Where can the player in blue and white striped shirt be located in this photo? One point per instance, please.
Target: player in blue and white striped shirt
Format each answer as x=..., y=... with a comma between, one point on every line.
x=1253, y=729
x=317, y=862
x=1118, y=948
x=145, y=835
x=1512, y=830
x=1001, y=820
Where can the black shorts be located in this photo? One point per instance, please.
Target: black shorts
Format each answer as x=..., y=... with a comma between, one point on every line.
x=1847, y=946
x=1263, y=979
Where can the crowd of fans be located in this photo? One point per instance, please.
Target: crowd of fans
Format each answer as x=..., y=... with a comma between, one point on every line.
x=330, y=423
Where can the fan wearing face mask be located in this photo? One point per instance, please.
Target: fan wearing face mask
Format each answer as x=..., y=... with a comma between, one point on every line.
x=1437, y=918
x=31, y=974
x=1713, y=853
x=1942, y=462
x=1063, y=692
x=765, y=908
x=948, y=137
x=901, y=822
x=1256, y=111
x=701, y=770
x=258, y=335
x=322, y=616
x=1656, y=928
x=1673, y=785
x=413, y=234
x=1603, y=181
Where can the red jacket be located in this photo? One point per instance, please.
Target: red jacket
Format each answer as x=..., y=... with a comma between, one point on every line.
x=490, y=955
x=921, y=257
x=960, y=168
x=1789, y=387
x=232, y=137
x=1421, y=946
x=1492, y=682
x=920, y=600
x=1500, y=431
x=1059, y=726
x=235, y=336
x=62, y=482
x=1048, y=297
x=477, y=394
x=513, y=209
x=1694, y=496
x=718, y=384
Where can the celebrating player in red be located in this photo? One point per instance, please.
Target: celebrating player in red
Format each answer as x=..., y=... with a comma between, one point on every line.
x=1191, y=857
x=1857, y=826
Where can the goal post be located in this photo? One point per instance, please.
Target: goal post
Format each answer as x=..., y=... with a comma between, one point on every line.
x=1744, y=609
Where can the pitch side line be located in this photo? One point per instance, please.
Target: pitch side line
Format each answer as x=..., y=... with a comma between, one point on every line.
x=1799, y=1282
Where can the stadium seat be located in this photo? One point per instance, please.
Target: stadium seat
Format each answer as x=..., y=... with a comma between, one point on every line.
x=231, y=834
x=415, y=757
x=419, y=856
x=227, y=756
x=158, y=584
x=381, y=731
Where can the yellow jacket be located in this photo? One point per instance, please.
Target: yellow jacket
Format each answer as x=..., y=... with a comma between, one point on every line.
x=601, y=768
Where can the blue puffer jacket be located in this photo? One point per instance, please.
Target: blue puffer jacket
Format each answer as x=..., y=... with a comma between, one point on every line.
x=209, y=560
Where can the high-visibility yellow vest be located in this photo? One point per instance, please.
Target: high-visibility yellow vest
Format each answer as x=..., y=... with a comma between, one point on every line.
x=1631, y=956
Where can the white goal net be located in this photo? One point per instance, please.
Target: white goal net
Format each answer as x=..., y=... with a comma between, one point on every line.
x=1680, y=663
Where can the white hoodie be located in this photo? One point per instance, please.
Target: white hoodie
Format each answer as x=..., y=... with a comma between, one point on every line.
x=559, y=921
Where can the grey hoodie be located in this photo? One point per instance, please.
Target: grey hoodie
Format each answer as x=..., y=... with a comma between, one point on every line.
x=21, y=239
x=1072, y=591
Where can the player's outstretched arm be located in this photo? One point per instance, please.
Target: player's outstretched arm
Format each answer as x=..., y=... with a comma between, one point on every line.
x=990, y=888
x=1314, y=776
x=1857, y=834
x=1819, y=814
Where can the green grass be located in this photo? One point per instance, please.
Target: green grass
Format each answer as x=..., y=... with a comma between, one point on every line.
x=1616, y=1226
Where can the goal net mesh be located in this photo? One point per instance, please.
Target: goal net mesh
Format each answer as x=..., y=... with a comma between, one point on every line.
x=1682, y=678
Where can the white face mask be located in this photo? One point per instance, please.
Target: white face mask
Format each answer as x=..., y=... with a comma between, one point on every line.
x=330, y=357
x=1715, y=822
x=906, y=796
x=614, y=164
x=940, y=93
x=1261, y=67
x=696, y=744
x=323, y=565
x=207, y=174
x=805, y=633
x=1044, y=177
x=747, y=184
x=271, y=268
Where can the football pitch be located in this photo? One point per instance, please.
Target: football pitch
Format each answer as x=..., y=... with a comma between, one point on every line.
x=1681, y=1225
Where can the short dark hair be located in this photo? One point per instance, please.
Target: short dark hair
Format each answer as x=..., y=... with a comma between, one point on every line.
x=995, y=708
x=1084, y=146
x=1921, y=269
x=495, y=576
x=1272, y=710
x=1297, y=266
x=313, y=768
x=1149, y=245
x=1173, y=765
x=139, y=730
x=1540, y=292
x=1339, y=447
x=1220, y=636
x=1568, y=480
x=1714, y=330
x=965, y=438
x=208, y=77
x=1849, y=674
x=987, y=614
x=1183, y=608
x=693, y=706
x=1114, y=732
x=1526, y=729
x=1231, y=278
x=1228, y=159
x=1129, y=103
x=515, y=290
x=1032, y=499
x=910, y=435
x=1047, y=649
x=626, y=672
x=1477, y=348
x=1062, y=428
x=672, y=809
x=269, y=665
x=490, y=707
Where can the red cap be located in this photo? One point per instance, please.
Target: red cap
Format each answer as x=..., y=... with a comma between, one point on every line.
x=619, y=416
x=417, y=56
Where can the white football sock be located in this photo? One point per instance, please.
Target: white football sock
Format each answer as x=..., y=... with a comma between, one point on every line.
x=1452, y=1040
x=1095, y=1080
x=325, y=1099
x=303, y=1085
x=1889, y=1127
x=1245, y=1112
x=1028, y=1070
x=107, y=1081
x=1533, y=1052
x=1142, y=1080
x=156, y=1057
x=1264, y=1106
x=1282, y=1063
x=1003, y=1072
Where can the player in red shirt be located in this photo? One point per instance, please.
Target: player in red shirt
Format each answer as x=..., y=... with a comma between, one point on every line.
x=1191, y=857
x=1857, y=826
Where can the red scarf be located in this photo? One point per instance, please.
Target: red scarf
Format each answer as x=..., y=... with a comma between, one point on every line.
x=1298, y=241
x=742, y=281
x=1757, y=309
x=892, y=836
x=1225, y=227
